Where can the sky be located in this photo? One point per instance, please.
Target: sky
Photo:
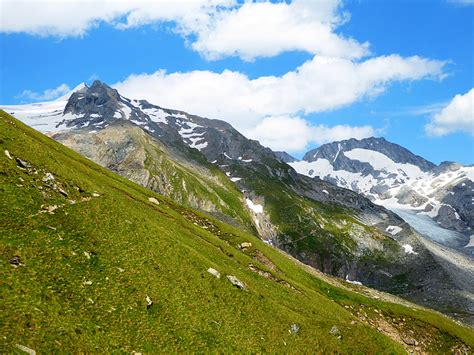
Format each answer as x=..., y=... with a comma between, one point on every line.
x=291, y=74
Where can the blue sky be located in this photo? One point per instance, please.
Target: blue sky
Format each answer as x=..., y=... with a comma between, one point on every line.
x=320, y=90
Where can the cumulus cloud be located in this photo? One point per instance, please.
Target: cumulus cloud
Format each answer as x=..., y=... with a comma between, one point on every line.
x=48, y=94
x=294, y=134
x=75, y=17
x=263, y=29
x=215, y=28
x=457, y=116
x=254, y=106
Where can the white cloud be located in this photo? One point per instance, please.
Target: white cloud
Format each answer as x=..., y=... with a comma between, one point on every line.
x=457, y=116
x=256, y=106
x=320, y=84
x=48, y=94
x=294, y=134
x=75, y=17
x=263, y=29
x=215, y=28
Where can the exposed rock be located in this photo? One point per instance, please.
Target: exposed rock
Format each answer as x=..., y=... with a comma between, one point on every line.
x=22, y=164
x=294, y=328
x=149, y=302
x=26, y=349
x=7, y=153
x=63, y=192
x=48, y=177
x=214, y=272
x=285, y=157
x=49, y=209
x=336, y=332
x=15, y=261
x=153, y=200
x=236, y=282
x=245, y=245
x=409, y=341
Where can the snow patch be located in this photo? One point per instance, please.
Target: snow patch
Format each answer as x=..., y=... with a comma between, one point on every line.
x=254, y=207
x=353, y=281
x=393, y=230
x=381, y=162
x=409, y=249
x=156, y=115
x=471, y=242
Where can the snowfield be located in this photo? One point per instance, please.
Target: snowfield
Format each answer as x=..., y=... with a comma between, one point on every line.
x=254, y=207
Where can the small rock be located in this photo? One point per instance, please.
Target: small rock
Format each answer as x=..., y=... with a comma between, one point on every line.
x=25, y=349
x=7, y=153
x=353, y=322
x=50, y=209
x=336, y=332
x=245, y=245
x=236, y=282
x=214, y=272
x=409, y=341
x=120, y=269
x=153, y=200
x=88, y=283
x=294, y=328
x=62, y=192
x=149, y=302
x=23, y=164
x=48, y=177
x=95, y=194
x=87, y=255
x=15, y=261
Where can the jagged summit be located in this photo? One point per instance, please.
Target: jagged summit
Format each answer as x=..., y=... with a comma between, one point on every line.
x=285, y=157
x=395, y=152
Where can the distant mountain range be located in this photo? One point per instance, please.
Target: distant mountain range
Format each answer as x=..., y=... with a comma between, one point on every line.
x=436, y=200
x=207, y=165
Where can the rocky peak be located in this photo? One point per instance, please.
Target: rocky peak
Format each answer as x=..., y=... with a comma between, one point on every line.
x=332, y=153
x=285, y=157
x=94, y=99
x=98, y=105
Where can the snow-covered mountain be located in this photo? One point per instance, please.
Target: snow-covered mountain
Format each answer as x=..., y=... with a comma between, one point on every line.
x=206, y=164
x=438, y=200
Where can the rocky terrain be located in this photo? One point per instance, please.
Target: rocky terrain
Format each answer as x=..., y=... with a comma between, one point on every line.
x=95, y=263
x=392, y=176
x=208, y=165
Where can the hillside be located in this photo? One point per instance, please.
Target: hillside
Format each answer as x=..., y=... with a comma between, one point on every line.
x=93, y=262
x=207, y=164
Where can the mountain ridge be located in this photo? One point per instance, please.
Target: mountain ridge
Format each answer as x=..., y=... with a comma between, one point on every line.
x=333, y=229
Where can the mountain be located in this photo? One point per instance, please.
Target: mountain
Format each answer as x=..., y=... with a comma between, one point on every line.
x=427, y=195
x=94, y=263
x=208, y=165
x=285, y=157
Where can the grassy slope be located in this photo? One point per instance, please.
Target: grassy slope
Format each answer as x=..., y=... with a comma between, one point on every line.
x=325, y=233
x=87, y=268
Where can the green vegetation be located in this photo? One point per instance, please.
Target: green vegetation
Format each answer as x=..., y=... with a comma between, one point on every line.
x=323, y=235
x=82, y=252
